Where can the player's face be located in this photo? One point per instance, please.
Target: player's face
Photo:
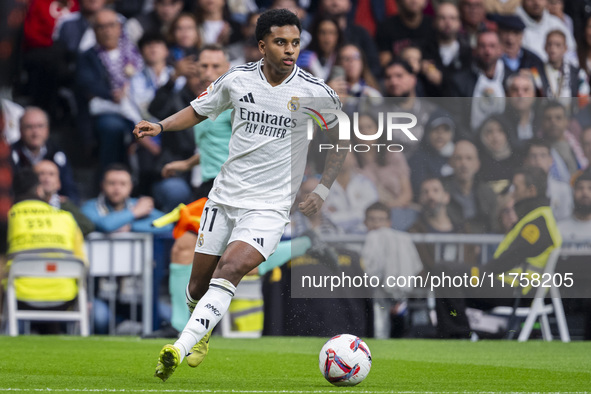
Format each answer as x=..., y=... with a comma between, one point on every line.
x=49, y=176
x=117, y=186
x=281, y=48
x=34, y=129
x=212, y=65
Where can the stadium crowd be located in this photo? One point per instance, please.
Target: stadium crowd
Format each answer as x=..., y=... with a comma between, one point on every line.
x=85, y=71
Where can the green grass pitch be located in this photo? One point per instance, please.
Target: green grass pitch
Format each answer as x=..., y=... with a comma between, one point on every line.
x=290, y=365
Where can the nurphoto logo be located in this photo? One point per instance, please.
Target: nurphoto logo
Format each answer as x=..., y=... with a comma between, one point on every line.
x=396, y=122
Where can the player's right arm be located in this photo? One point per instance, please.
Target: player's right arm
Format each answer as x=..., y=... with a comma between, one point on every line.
x=211, y=102
x=181, y=120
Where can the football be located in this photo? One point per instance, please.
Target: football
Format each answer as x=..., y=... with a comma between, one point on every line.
x=345, y=360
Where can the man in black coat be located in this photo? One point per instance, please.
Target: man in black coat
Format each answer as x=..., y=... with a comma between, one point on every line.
x=515, y=57
x=34, y=146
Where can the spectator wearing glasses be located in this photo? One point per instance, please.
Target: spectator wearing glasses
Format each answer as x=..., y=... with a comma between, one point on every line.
x=35, y=146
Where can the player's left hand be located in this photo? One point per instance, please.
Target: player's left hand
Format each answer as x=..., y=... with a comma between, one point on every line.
x=311, y=205
x=146, y=129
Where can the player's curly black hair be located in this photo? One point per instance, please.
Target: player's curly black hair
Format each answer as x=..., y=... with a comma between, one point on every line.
x=276, y=17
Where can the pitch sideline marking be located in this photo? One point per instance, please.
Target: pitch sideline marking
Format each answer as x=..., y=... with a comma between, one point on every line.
x=258, y=391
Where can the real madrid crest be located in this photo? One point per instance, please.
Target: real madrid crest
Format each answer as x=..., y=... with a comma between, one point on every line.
x=293, y=104
x=200, y=240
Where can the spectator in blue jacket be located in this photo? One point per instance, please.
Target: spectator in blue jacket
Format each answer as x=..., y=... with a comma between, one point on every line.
x=115, y=211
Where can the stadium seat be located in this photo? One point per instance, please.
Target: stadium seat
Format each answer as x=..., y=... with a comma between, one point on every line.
x=35, y=265
x=121, y=255
x=539, y=310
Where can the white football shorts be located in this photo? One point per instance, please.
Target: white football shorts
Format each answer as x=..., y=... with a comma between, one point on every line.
x=222, y=224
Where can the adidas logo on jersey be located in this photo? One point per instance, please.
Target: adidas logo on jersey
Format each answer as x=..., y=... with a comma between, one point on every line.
x=247, y=99
x=259, y=241
x=205, y=322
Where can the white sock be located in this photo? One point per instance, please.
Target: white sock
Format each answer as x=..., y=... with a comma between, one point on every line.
x=208, y=312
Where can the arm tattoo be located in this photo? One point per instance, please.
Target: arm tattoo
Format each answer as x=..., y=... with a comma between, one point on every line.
x=335, y=158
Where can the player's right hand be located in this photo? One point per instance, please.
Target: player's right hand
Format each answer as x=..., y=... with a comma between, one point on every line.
x=146, y=129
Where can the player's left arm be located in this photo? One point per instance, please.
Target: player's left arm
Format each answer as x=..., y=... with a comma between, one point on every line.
x=334, y=161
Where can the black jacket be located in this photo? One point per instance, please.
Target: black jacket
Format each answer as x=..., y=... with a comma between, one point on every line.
x=69, y=189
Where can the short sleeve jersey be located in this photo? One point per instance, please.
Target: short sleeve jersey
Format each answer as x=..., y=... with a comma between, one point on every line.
x=268, y=147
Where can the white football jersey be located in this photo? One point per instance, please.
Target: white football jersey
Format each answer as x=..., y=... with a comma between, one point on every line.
x=269, y=139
